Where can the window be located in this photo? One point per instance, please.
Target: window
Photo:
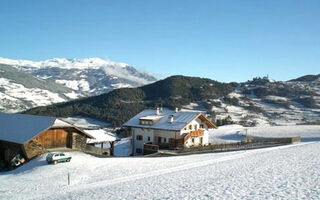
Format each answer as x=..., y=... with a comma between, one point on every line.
x=165, y=139
x=139, y=137
x=138, y=150
x=195, y=127
x=192, y=140
x=202, y=126
x=190, y=127
x=149, y=138
x=146, y=122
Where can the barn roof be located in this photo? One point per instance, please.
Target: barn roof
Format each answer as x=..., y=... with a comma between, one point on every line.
x=20, y=128
x=180, y=119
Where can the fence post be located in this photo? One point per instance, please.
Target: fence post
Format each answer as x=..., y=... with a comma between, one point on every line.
x=68, y=178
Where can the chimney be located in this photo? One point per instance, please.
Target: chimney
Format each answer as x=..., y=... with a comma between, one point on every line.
x=170, y=119
x=158, y=111
x=177, y=109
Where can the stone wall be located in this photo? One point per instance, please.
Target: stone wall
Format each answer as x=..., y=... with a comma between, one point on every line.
x=97, y=151
x=33, y=148
x=79, y=142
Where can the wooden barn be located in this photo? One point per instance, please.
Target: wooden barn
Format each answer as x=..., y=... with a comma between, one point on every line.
x=30, y=135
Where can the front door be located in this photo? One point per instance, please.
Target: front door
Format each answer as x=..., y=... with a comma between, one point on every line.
x=159, y=140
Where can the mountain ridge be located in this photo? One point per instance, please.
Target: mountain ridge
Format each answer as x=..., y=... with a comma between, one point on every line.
x=256, y=102
x=62, y=79
x=119, y=105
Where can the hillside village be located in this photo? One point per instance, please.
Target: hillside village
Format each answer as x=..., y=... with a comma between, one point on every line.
x=159, y=100
x=155, y=132
x=111, y=177
x=136, y=114
x=161, y=129
x=23, y=137
x=169, y=127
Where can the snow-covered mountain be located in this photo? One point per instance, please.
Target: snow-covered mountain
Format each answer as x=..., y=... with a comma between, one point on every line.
x=25, y=84
x=264, y=101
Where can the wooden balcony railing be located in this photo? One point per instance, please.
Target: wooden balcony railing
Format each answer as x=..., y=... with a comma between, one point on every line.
x=195, y=133
x=151, y=147
x=173, y=143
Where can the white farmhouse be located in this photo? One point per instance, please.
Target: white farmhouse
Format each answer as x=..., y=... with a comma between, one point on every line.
x=163, y=128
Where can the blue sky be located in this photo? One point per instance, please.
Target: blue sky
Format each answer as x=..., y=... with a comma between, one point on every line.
x=223, y=40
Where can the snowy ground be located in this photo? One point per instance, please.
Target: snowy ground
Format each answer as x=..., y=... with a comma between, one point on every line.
x=234, y=133
x=229, y=133
x=123, y=147
x=286, y=172
x=86, y=122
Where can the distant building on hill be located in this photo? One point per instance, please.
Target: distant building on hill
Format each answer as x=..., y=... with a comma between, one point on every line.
x=164, y=128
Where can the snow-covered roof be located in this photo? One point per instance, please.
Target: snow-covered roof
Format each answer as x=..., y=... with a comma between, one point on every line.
x=60, y=123
x=180, y=119
x=152, y=117
x=19, y=128
x=100, y=136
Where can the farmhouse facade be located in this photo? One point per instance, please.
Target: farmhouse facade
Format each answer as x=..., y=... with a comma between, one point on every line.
x=30, y=135
x=164, y=128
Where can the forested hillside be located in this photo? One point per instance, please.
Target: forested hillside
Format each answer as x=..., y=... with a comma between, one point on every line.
x=119, y=105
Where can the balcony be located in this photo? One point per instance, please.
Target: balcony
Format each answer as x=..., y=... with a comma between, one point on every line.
x=150, y=148
x=196, y=133
x=176, y=143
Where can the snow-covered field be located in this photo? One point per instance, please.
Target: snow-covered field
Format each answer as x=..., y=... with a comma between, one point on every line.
x=286, y=172
x=86, y=122
x=14, y=94
x=234, y=133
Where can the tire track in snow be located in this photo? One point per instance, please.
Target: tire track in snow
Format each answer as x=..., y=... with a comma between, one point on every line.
x=108, y=182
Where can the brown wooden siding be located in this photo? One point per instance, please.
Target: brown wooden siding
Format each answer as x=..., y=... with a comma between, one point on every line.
x=53, y=138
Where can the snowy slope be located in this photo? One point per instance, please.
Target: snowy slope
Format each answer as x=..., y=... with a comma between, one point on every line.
x=262, y=101
x=20, y=91
x=287, y=172
x=235, y=133
x=26, y=84
x=90, y=75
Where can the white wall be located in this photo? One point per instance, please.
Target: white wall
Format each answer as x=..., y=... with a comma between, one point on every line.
x=145, y=133
x=165, y=134
x=154, y=134
x=205, y=137
x=192, y=123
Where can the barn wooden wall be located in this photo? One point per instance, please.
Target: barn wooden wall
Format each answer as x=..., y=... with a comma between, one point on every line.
x=53, y=138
